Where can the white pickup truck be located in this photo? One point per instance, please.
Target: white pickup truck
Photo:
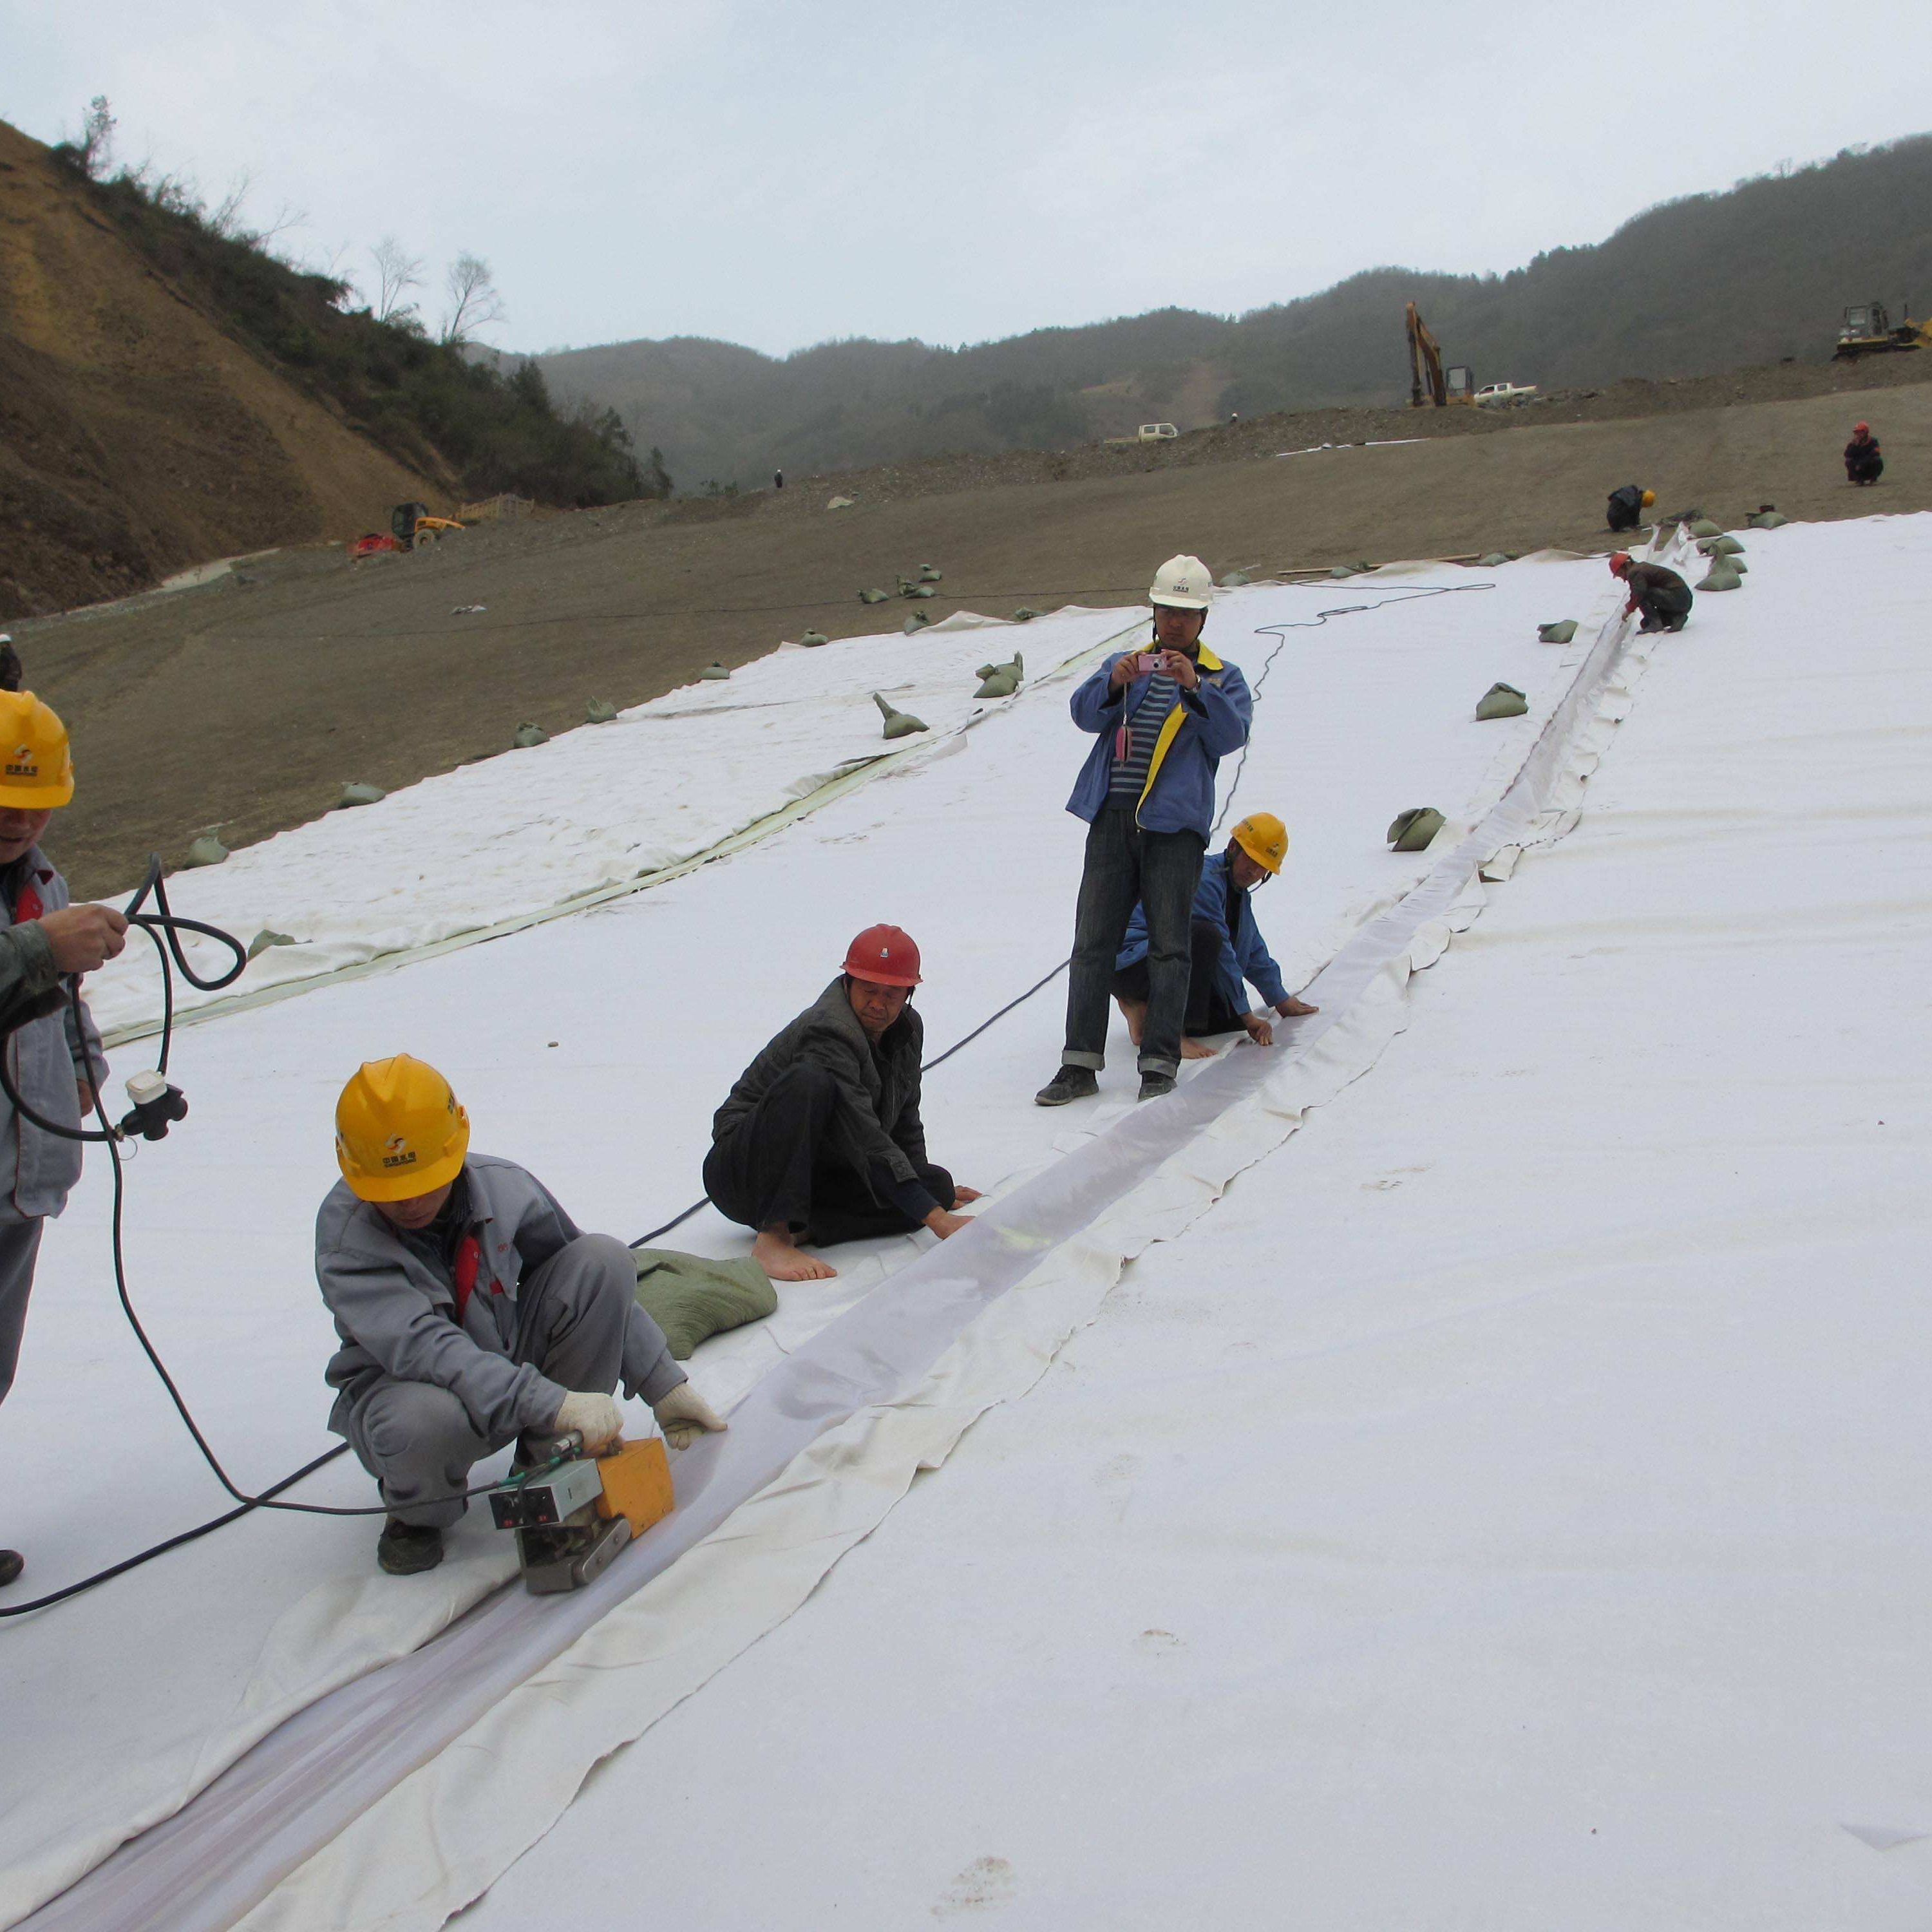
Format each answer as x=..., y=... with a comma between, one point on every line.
x=1491, y=394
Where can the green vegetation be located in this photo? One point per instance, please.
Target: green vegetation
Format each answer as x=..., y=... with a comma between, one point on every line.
x=1710, y=283
x=428, y=404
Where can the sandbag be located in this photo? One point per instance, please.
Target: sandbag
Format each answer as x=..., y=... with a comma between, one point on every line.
x=898, y=724
x=693, y=1298
x=353, y=795
x=907, y=588
x=1025, y=614
x=1235, y=579
x=1724, y=546
x=840, y=503
x=1001, y=680
x=813, y=639
x=1703, y=527
x=1500, y=701
x=1415, y=828
x=1494, y=560
x=915, y=620
x=266, y=938
x=1722, y=576
x=599, y=712
x=1556, y=634
x=714, y=673
x=528, y=735
x=1766, y=520
x=927, y=575
x=207, y=849
x=871, y=597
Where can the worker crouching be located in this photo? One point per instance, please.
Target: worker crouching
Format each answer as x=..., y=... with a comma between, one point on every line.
x=1863, y=464
x=471, y=1310
x=1627, y=506
x=1662, y=596
x=820, y=1138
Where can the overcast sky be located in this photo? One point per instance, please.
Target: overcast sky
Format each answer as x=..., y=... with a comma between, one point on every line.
x=776, y=175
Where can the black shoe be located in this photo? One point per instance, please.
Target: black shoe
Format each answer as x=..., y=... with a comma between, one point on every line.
x=1070, y=1083
x=1154, y=1085
x=405, y=1548
x=11, y=1564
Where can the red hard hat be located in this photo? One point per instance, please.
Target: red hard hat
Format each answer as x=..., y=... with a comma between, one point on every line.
x=1619, y=562
x=884, y=955
x=1861, y=429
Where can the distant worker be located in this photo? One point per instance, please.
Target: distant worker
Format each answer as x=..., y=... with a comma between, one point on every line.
x=1661, y=594
x=11, y=673
x=1227, y=949
x=471, y=1309
x=52, y=1052
x=821, y=1139
x=778, y=479
x=1627, y=506
x=1162, y=720
x=1863, y=463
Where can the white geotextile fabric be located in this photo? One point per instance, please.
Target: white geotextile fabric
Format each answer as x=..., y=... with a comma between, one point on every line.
x=512, y=837
x=1359, y=718
x=1505, y=1510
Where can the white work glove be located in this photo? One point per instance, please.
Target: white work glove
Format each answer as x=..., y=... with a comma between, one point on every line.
x=684, y=1415
x=596, y=1417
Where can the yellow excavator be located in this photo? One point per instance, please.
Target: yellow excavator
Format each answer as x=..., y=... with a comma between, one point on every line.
x=1455, y=384
x=1868, y=330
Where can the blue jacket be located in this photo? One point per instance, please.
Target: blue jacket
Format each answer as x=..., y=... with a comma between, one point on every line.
x=1245, y=957
x=1208, y=723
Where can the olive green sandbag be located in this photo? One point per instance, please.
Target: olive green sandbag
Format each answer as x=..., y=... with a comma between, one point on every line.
x=915, y=620
x=528, y=735
x=1703, y=527
x=916, y=590
x=1767, y=519
x=898, y=724
x=927, y=575
x=1557, y=633
x=1721, y=576
x=715, y=673
x=266, y=938
x=1724, y=546
x=1415, y=828
x=1500, y=701
x=208, y=849
x=1001, y=680
x=599, y=711
x=1494, y=560
x=872, y=596
x=813, y=639
x=353, y=795
x=1235, y=579
x=692, y=1297
x=1025, y=614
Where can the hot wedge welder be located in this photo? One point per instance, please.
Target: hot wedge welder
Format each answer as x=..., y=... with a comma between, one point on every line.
x=573, y=1512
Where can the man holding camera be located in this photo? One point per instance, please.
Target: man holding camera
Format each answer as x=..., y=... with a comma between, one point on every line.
x=1163, y=720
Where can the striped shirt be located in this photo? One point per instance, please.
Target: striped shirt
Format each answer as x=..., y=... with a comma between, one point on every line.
x=1130, y=772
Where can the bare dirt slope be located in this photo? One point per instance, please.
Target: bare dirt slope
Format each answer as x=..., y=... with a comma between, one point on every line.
x=135, y=436
x=250, y=701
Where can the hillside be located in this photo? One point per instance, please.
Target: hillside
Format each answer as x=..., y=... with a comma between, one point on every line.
x=170, y=392
x=1709, y=283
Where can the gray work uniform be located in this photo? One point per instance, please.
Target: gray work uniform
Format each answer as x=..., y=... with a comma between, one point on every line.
x=422, y=1398
x=46, y=1060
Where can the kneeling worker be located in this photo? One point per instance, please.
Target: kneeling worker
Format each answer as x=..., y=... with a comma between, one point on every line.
x=1661, y=594
x=1864, y=461
x=1627, y=506
x=471, y=1309
x=820, y=1138
x=1227, y=947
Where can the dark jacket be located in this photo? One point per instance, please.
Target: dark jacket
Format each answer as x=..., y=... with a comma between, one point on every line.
x=1651, y=582
x=1208, y=722
x=878, y=1086
x=1626, y=508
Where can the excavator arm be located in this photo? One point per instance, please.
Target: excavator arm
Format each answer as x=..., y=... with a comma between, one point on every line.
x=1425, y=364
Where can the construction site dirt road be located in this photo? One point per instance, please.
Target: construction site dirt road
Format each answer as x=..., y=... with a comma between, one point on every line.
x=247, y=701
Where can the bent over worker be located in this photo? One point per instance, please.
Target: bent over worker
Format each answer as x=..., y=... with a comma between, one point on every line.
x=471, y=1309
x=53, y=1052
x=1226, y=949
x=1627, y=506
x=820, y=1138
x=1163, y=720
x=1661, y=594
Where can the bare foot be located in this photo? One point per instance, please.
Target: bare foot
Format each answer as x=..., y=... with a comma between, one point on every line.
x=1134, y=1011
x=1196, y=1049
x=774, y=1252
x=1293, y=1008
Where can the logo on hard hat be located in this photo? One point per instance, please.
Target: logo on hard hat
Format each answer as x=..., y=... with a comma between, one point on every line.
x=397, y=1152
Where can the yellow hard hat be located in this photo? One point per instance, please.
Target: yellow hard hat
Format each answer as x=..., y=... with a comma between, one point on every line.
x=1649, y=497
x=1264, y=837
x=37, y=771
x=398, y=1130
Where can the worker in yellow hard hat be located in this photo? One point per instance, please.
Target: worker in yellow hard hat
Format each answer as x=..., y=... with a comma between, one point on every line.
x=1627, y=506
x=1226, y=947
x=471, y=1310
x=52, y=1052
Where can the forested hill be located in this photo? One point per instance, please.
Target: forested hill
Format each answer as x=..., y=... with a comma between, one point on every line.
x=1709, y=283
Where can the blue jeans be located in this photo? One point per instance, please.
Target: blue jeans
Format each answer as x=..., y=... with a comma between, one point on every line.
x=1161, y=870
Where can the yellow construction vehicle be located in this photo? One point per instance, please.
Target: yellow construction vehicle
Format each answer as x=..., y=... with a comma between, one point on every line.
x=414, y=527
x=1868, y=330
x=1455, y=384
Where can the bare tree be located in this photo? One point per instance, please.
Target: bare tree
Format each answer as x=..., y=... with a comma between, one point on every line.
x=96, y=136
x=225, y=217
x=474, y=303
x=397, y=272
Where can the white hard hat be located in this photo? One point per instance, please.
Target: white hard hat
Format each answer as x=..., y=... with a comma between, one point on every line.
x=1184, y=582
